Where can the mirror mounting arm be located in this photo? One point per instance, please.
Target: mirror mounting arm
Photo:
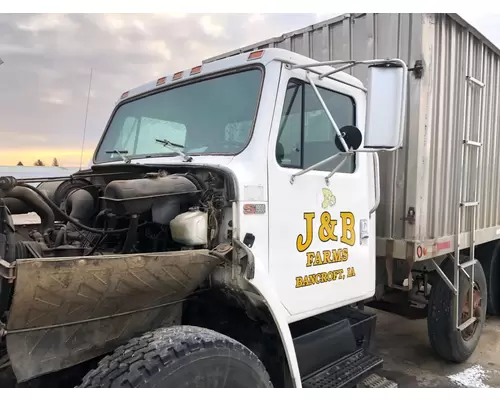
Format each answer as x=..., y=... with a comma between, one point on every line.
x=347, y=152
x=318, y=164
x=328, y=114
x=339, y=165
x=348, y=133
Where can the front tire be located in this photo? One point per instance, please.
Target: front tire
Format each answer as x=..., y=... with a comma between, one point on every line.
x=449, y=343
x=180, y=356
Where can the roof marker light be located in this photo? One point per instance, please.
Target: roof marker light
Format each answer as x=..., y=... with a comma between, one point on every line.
x=255, y=55
x=178, y=75
x=195, y=70
x=161, y=81
x=124, y=95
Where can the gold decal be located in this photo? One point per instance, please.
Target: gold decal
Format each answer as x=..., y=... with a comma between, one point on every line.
x=303, y=244
x=326, y=230
x=348, y=235
x=324, y=277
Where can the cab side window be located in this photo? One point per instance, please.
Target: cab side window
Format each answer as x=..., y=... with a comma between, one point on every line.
x=306, y=135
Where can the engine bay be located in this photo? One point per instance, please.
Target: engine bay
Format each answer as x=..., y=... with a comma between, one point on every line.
x=138, y=210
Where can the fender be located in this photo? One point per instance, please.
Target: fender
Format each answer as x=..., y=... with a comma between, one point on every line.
x=261, y=285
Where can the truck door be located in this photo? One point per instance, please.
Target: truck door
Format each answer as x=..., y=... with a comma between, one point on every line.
x=321, y=238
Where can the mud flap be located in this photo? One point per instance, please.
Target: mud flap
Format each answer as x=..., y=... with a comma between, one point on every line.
x=69, y=310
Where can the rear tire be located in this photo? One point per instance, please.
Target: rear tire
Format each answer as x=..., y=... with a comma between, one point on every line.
x=489, y=256
x=445, y=339
x=180, y=356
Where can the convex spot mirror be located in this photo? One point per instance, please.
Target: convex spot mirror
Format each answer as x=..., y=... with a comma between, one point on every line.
x=352, y=138
x=385, y=106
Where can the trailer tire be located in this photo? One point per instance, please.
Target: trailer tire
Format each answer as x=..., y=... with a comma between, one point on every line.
x=446, y=341
x=489, y=256
x=180, y=356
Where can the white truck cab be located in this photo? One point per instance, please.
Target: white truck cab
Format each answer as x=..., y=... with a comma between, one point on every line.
x=268, y=120
x=250, y=183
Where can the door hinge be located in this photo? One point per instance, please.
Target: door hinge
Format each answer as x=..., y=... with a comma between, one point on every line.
x=418, y=69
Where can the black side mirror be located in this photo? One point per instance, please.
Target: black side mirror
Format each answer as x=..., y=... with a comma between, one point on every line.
x=352, y=137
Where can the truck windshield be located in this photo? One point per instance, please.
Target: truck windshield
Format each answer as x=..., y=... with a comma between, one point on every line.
x=213, y=116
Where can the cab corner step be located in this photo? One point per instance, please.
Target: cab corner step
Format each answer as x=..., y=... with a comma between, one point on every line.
x=347, y=372
x=377, y=381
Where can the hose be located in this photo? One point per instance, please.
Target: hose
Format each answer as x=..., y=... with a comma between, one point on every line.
x=131, y=235
x=17, y=206
x=66, y=217
x=22, y=193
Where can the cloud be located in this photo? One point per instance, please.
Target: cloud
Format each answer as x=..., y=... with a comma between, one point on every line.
x=48, y=58
x=52, y=100
x=487, y=24
x=57, y=97
x=256, y=18
x=210, y=28
x=46, y=22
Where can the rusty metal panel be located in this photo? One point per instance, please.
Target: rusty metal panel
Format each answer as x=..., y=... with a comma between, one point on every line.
x=69, y=310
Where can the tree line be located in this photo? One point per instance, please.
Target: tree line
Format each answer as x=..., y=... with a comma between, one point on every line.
x=40, y=163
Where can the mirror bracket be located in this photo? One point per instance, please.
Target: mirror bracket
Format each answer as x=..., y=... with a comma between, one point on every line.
x=346, y=149
x=339, y=165
x=328, y=114
x=318, y=164
x=341, y=65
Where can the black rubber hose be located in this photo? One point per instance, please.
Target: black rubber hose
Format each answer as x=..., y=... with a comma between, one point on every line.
x=80, y=205
x=200, y=185
x=17, y=206
x=131, y=235
x=23, y=193
x=65, y=216
x=99, y=217
x=60, y=237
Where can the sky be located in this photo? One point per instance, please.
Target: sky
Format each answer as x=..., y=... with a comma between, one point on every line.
x=47, y=61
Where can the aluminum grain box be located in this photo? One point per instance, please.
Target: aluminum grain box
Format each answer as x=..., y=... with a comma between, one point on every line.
x=417, y=217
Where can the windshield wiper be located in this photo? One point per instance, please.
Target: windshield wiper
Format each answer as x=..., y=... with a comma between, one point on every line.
x=121, y=154
x=174, y=147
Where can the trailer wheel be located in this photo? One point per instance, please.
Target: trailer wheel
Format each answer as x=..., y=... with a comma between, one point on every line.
x=489, y=255
x=445, y=339
x=180, y=356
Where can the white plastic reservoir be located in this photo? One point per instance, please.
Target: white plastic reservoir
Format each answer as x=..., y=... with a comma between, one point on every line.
x=190, y=228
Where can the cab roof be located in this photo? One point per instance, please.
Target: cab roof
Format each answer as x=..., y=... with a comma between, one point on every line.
x=264, y=57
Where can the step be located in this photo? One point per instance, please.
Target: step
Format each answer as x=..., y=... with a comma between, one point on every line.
x=346, y=372
x=467, y=264
x=375, y=381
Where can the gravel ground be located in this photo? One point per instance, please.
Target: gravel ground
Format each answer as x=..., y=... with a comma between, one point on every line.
x=410, y=361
